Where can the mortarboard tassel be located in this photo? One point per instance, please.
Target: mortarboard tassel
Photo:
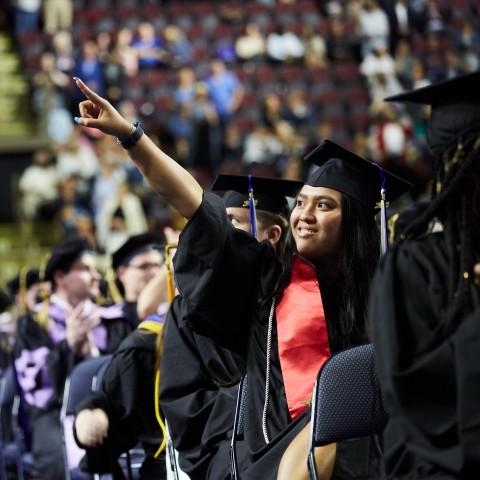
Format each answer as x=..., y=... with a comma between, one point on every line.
x=383, y=213
x=22, y=288
x=383, y=224
x=113, y=290
x=251, y=206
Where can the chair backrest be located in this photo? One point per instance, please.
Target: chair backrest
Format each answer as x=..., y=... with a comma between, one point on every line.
x=347, y=401
x=97, y=378
x=238, y=425
x=8, y=387
x=7, y=394
x=78, y=386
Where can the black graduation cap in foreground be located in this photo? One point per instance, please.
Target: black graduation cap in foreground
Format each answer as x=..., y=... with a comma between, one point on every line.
x=462, y=89
x=24, y=279
x=64, y=255
x=270, y=193
x=351, y=174
x=455, y=109
x=134, y=245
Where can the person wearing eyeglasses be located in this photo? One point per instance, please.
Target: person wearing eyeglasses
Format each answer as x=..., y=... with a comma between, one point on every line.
x=135, y=263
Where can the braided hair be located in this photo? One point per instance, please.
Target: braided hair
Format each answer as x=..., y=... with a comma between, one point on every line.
x=453, y=196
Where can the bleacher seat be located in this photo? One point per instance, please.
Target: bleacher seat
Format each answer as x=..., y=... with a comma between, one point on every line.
x=346, y=73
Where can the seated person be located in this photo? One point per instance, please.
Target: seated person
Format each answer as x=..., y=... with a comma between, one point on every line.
x=123, y=412
x=62, y=331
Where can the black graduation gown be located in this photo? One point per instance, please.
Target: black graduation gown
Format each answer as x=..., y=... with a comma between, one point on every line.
x=127, y=397
x=43, y=360
x=198, y=389
x=431, y=382
x=222, y=273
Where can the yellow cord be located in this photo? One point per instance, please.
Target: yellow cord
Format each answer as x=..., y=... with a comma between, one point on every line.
x=112, y=287
x=22, y=288
x=159, y=418
x=170, y=280
x=157, y=328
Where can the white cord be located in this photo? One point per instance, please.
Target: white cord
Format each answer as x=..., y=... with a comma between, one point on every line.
x=267, y=373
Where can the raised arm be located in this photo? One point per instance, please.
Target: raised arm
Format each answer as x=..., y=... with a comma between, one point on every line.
x=163, y=173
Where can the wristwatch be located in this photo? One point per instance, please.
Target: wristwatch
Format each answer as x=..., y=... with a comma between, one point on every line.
x=133, y=138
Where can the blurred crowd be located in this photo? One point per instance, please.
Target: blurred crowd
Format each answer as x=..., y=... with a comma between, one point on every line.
x=227, y=87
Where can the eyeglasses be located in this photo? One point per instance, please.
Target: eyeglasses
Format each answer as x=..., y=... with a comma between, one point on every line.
x=145, y=266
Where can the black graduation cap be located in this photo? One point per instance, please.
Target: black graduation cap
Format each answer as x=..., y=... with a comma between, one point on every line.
x=462, y=89
x=24, y=279
x=351, y=174
x=455, y=109
x=134, y=245
x=269, y=193
x=64, y=255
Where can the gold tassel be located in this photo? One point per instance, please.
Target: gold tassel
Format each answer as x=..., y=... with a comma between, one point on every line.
x=22, y=288
x=170, y=278
x=112, y=286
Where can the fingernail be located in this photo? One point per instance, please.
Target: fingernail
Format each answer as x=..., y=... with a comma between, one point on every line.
x=76, y=78
x=76, y=119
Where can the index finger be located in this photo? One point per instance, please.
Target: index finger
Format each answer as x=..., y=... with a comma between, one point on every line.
x=88, y=92
x=476, y=269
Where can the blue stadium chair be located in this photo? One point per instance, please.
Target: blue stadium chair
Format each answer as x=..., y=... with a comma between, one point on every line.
x=347, y=401
x=13, y=451
x=77, y=387
x=7, y=393
x=238, y=426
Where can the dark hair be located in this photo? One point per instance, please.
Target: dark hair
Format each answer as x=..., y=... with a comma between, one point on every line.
x=454, y=189
x=268, y=219
x=360, y=250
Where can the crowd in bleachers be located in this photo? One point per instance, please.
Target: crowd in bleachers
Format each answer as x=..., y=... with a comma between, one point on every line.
x=223, y=87
x=239, y=86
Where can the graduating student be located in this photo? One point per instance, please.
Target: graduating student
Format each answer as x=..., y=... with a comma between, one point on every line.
x=135, y=263
x=199, y=381
x=235, y=287
x=63, y=330
x=425, y=305
x=122, y=413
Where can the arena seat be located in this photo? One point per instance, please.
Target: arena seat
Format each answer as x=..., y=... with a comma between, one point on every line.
x=347, y=402
x=77, y=387
x=13, y=432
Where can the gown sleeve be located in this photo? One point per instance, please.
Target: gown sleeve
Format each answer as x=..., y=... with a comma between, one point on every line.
x=430, y=379
x=195, y=396
x=126, y=396
x=216, y=272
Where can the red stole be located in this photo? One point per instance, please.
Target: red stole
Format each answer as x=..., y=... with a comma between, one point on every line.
x=302, y=335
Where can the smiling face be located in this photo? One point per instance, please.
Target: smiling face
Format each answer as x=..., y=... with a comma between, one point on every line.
x=316, y=223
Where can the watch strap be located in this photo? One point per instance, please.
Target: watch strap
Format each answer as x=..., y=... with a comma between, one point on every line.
x=134, y=137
